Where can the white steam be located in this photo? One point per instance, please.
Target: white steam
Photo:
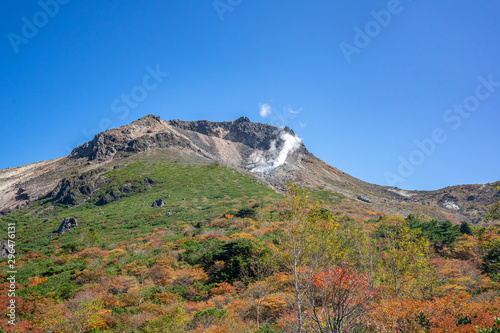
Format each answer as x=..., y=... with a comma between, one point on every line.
x=264, y=110
x=290, y=144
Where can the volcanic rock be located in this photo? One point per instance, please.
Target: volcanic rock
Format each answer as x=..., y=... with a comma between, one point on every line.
x=68, y=224
x=158, y=203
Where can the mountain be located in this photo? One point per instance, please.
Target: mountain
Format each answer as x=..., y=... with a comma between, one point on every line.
x=272, y=156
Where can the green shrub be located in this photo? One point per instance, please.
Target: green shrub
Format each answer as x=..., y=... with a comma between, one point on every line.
x=440, y=233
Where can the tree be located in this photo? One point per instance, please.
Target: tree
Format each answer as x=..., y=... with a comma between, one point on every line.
x=441, y=233
x=405, y=254
x=361, y=250
x=87, y=313
x=259, y=290
x=307, y=245
x=491, y=258
x=339, y=297
x=465, y=228
x=208, y=317
x=171, y=319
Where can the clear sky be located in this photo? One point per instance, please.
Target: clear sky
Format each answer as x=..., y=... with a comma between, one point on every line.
x=395, y=93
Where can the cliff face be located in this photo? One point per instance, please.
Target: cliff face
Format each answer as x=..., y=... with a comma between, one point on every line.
x=273, y=155
x=146, y=133
x=202, y=136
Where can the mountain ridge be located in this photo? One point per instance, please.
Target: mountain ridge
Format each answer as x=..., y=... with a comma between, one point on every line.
x=273, y=155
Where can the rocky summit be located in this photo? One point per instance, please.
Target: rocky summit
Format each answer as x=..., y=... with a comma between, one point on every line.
x=272, y=155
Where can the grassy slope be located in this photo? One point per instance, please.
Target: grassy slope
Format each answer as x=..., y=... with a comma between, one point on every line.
x=198, y=194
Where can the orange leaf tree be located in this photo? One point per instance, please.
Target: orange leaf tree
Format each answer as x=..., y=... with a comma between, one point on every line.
x=339, y=299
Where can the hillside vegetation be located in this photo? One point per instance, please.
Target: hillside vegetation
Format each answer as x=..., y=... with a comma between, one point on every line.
x=227, y=254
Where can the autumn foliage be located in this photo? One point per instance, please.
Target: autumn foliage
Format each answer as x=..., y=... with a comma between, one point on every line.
x=295, y=264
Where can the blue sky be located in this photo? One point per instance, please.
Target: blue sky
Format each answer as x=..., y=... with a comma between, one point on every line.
x=403, y=93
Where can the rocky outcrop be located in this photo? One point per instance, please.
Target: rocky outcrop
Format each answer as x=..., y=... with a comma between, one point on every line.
x=158, y=203
x=68, y=224
x=364, y=199
x=241, y=130
x=5, y=249
x=147, y=133
x=96, y=186
x=112, y=144
x=132, y=186
x=470, y=201
x=77, y=189
x=22, y=194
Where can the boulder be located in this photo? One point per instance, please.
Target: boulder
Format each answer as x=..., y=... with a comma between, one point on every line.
x=5, y=249
x=364, y=199
x=158, y=203
x=68, y=224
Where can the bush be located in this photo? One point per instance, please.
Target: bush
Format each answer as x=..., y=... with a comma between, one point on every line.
x=246, y=212
x=73, y=247
x=222, y=260
x=210, y=313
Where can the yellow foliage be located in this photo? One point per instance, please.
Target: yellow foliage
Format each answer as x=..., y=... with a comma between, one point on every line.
x=242, y=235
x=166, y=297
x=187, y=276
x=149, y=307
x=88, y=275
x=119, y=252
x=60, y=259
x=274, y=305
x=35, y=281
x=220, y=223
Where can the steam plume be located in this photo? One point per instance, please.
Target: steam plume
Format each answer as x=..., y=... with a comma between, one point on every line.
x=290, y=144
